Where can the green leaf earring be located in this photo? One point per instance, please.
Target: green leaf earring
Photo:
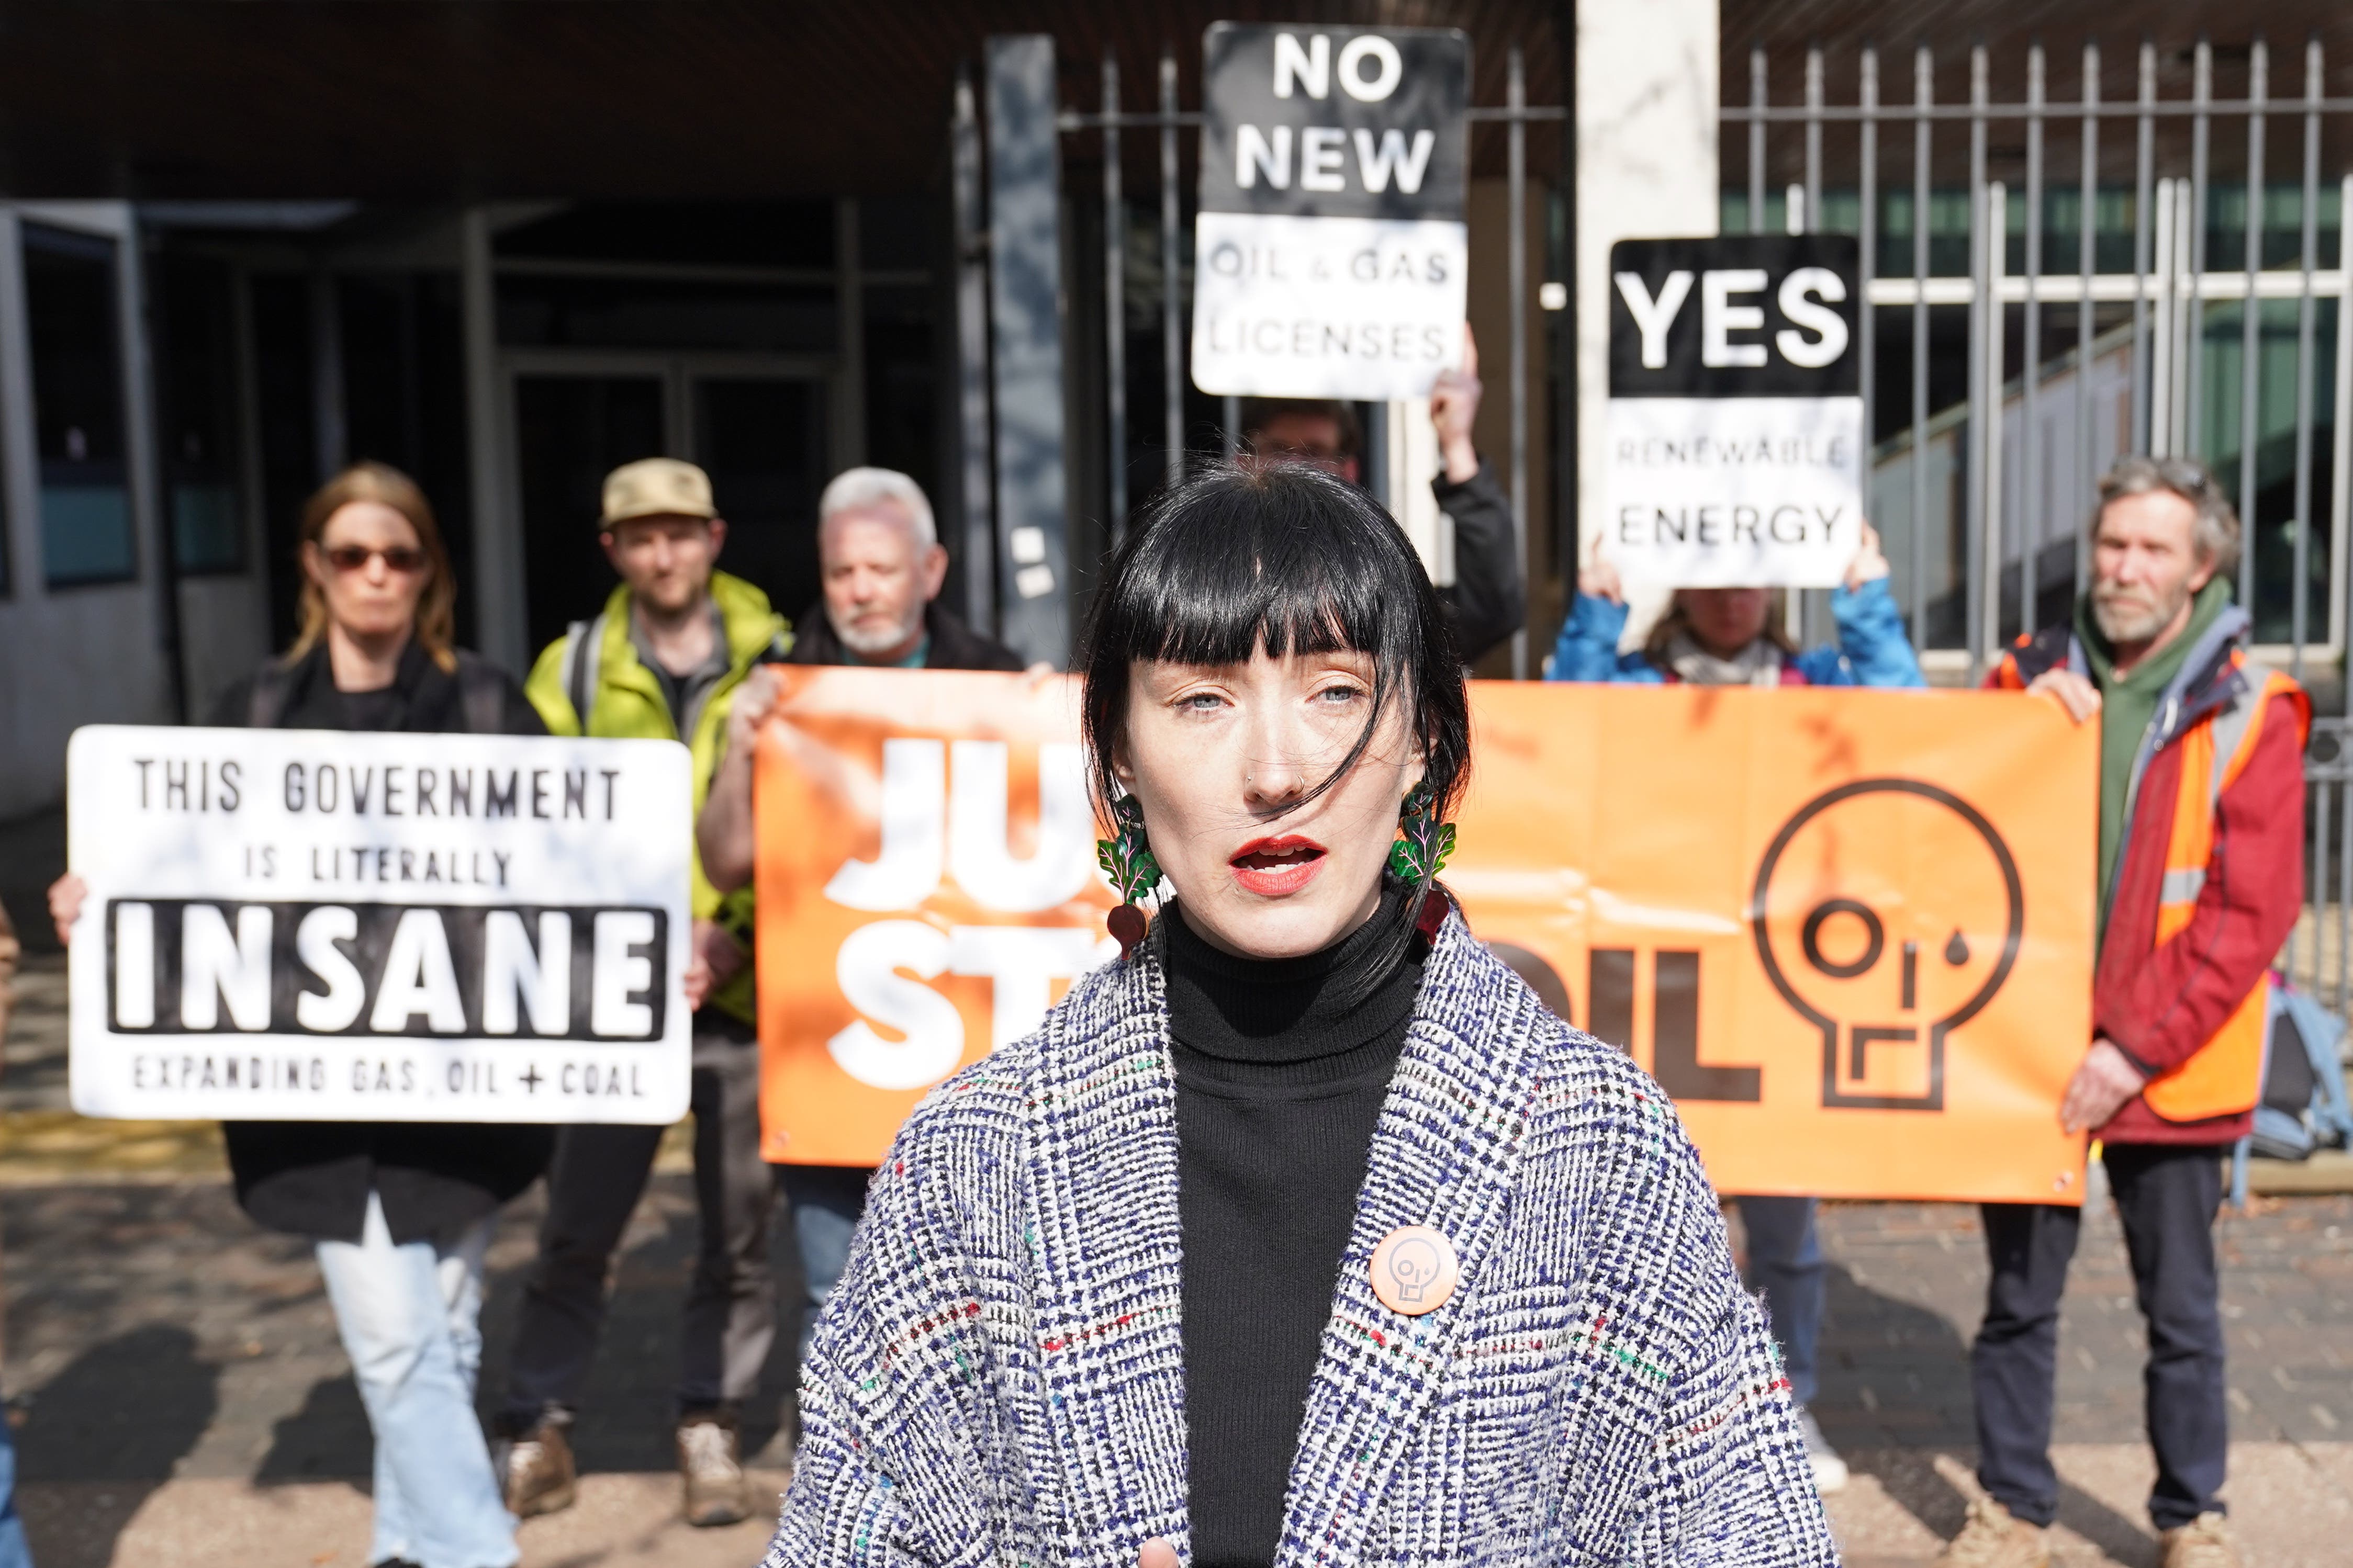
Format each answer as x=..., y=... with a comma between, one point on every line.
x=1421, y=853
x=1126, y=858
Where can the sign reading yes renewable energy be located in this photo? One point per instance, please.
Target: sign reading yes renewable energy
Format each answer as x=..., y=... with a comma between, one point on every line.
x=1736, y=438
x=1330, y=254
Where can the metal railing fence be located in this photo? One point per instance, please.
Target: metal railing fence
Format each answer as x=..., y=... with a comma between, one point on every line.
x=1167, y=120
x=2199, y=346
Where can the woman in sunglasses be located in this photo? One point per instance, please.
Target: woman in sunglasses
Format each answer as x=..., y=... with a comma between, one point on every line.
x=401, y=1212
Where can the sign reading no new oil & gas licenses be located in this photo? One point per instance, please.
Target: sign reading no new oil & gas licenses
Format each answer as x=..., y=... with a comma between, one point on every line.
x=1330, y=254
x=297, y=925
x=1736, y=438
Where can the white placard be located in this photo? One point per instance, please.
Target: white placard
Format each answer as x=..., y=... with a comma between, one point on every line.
x=315, y=925
x=1734, y=491
x=1326, y=307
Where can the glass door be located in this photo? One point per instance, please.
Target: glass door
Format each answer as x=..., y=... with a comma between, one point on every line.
x=763, y=440
x=757, y=424
x=571, y=430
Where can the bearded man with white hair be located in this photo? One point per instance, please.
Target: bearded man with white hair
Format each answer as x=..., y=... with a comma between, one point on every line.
x=881, y=563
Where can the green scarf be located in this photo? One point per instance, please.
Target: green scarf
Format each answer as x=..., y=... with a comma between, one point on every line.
x=2128, y=708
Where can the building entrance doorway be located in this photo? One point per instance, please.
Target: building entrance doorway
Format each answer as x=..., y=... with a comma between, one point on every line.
x=759, y=424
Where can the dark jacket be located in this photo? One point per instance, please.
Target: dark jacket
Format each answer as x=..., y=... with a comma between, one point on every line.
x=1486, y=602
x=954, y=646
x=313, y=1178
x=2164, y=1000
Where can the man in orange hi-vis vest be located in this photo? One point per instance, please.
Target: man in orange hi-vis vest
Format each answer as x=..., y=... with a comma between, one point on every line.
x=2201, y=825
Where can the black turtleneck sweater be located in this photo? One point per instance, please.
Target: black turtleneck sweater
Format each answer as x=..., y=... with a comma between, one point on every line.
x=1278, y=1090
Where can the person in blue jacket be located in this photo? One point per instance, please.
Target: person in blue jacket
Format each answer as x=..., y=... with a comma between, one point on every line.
x=1734, y=636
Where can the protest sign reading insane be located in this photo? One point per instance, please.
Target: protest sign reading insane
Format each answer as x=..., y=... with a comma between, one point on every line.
x=1331, y=252
x=1849, y=932
x=308, y=925
x=1735, y=424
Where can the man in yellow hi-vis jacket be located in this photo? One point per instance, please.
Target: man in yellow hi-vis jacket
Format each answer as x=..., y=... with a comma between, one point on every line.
x=662, y=661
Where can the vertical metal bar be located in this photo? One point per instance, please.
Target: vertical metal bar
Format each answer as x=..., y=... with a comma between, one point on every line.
x=850, y=310
x=2166, y=353
x=2316, y=889
x=1996, y=489
x=1979, y=507
x=2086, y=264
x=2251, y=322
x=1171, y=341
x=2340, y=471
x=2343, y=899
x=497, y=586
x=1516, y=236
x=2307, y=257
x=1867, y=243
x=1756, y=141
x=2031, y=520
x=136, y=320
x=2144, y=387
x=1813, y=223
x=1114, y=303
x=1924, y=97
x=976, y=485
x=2193, y=340
x=330, y=436
x=1229, y=427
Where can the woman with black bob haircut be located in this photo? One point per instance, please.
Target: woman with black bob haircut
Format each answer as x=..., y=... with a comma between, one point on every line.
x=1301, y=1232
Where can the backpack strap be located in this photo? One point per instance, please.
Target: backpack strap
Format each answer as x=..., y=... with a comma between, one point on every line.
x=584, y=654
x=272, y=688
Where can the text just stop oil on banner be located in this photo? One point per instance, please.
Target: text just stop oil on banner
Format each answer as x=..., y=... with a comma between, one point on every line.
x=1850, y=932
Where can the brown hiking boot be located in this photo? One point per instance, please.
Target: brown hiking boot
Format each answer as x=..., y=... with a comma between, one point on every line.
x=711, y=1466
x=536, y=1474
x=2203, y=1542
x=1996, y=1537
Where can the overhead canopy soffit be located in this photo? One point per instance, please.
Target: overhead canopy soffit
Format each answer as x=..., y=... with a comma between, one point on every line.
x=429, y=100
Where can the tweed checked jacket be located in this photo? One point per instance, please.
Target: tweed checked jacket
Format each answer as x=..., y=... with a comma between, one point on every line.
x=999, y=1377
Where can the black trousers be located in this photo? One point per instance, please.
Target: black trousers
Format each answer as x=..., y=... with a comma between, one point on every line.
x=593, y=1188
x=2167, y=1197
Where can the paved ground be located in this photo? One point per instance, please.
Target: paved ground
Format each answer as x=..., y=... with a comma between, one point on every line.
x=181, y=1399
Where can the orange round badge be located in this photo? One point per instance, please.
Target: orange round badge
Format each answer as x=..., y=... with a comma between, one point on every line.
x=1414, y=1270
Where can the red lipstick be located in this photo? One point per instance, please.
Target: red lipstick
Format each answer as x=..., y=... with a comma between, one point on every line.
x=1277, y=868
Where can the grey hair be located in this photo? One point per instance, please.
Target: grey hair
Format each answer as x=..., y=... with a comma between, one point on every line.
x=2215, y=531
x=859, y=489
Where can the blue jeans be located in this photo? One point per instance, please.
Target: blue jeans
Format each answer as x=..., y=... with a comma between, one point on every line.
x=1785, y=1262
x=826, y=1201
x=409, y=1315
x=14, y=1553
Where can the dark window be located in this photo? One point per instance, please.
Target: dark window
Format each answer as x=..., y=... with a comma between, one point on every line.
x=77, y=417
x=570, y=432
x=198, y=416
x=664, y=313
x=765, y=444
x=290, y=460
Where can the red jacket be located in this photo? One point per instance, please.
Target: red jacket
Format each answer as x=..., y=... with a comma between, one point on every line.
x=2161, y=1002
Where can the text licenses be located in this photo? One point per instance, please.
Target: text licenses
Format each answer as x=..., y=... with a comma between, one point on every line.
x=1309, y=307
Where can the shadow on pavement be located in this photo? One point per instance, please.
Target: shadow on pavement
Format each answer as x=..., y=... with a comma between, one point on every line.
x=327, y=1437
x=1895, y=1395
x=122, y=1413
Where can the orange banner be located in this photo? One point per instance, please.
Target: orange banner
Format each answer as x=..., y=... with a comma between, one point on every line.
x=1850, y=932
